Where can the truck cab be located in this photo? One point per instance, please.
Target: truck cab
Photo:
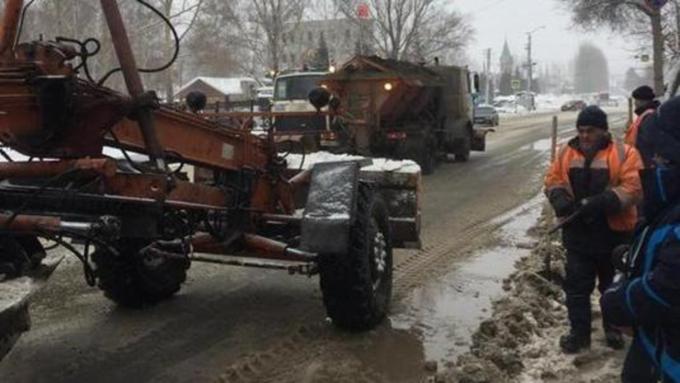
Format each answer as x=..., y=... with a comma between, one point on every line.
x=291, y=96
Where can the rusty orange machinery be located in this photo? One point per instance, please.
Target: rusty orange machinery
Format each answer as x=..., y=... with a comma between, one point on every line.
x=47, y=112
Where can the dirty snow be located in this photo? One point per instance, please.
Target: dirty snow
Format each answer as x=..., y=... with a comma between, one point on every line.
x=519, y=343
x=378, y=164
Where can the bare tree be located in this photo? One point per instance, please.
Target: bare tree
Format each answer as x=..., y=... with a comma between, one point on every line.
x=269, y=18
x=413, y=29
x=322, y=10
x=183, y=14
x=150, y=37
x=625, y=15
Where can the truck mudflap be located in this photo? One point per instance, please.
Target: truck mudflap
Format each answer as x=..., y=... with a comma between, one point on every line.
x=14, y=299
x=479, y=139
x=331, y=203
x=397, y=182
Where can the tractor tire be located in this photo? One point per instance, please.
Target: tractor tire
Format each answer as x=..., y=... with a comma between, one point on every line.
x=19, y=255
x=140, y=275
x=424, y=155
x=463, y=153
x=357, y=287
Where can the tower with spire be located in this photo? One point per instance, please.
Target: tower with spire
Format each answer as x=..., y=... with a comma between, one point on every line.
x=507, y=62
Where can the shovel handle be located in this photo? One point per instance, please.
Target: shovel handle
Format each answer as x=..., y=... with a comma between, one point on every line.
x=566, y=221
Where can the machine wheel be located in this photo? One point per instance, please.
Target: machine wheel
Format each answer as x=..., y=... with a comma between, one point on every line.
x=463, y=153
x=140, y=274
x=357, y=287
x=424, y=154
x=20, y=254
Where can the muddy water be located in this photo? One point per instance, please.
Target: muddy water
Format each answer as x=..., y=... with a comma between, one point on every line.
x=444, y=313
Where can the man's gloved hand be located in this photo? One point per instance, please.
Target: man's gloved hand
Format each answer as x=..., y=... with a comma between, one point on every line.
x=603, y=203
x=562, y=202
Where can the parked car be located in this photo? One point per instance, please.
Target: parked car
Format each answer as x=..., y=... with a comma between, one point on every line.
x=573, y=105
x=486, y=114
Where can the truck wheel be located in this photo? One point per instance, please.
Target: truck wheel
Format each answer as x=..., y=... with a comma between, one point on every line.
x=357, y=287
x=19, y=254
x=141, y=275
x=425, y=156
x=463, y=153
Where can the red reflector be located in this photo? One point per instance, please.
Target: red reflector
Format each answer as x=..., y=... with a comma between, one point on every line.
x=396, y=136
x=328, y=136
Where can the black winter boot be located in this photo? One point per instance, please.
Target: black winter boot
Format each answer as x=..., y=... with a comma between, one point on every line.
x=572, y=342
x=614, y=339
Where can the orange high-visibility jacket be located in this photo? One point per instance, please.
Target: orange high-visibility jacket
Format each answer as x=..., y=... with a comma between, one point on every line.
x=622, y=161
x=634, y=128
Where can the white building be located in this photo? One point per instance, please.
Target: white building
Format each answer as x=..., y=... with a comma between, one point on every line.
x=343, y=38
x=218, y=89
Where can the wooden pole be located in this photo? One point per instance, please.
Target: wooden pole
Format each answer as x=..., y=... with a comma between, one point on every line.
x=630, y=112
x=553, y=146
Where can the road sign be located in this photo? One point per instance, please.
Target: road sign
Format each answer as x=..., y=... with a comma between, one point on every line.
x=363, y=11
x=516, y=84
x=656, y=4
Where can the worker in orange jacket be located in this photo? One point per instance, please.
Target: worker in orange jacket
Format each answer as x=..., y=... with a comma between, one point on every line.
x=594, y=184
x=637, y=133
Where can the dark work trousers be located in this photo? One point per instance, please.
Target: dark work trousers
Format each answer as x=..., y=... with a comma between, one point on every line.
x=582, y=271
x=638, y=368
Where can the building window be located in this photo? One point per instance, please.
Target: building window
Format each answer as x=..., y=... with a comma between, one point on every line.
x=310, y=36
x=292, y=38
x=348, y=34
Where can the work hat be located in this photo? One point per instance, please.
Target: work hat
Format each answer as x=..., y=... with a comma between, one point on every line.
x=644, y=93
x=592, y=116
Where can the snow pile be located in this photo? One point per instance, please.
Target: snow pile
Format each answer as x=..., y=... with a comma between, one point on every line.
x=543, y=103
x=519, y=343
x=297, y=161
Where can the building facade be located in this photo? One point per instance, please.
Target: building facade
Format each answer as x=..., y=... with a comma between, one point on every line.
x=343, y=37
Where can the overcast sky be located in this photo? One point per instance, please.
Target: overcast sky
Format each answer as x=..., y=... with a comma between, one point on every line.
x=494, y=20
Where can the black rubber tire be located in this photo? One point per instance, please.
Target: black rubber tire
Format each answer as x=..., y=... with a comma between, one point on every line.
x=355, y=293
x=130, y=281
x=34, y=249
x=14, y=259
x=463, y=153
x=426, y=158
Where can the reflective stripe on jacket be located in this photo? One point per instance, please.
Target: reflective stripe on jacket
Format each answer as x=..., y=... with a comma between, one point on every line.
x=623, y=164
x=634, y=128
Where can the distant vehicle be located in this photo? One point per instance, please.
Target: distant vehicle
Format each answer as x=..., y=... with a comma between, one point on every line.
x=264, y=97
x=290, y=96
x=486, y=114
x=396, y=109
x=573, y=105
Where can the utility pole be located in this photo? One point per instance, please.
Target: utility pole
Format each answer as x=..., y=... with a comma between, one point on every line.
x=530, y=63
x=488, y=76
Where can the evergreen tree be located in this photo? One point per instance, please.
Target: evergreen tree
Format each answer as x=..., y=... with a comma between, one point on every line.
x=321, y=58
x=591, y=72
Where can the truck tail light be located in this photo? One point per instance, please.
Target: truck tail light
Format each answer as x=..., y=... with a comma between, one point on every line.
x=397, y=136
x=329, y=136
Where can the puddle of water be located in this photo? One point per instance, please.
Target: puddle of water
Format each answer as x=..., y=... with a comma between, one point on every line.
x=446, y=312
